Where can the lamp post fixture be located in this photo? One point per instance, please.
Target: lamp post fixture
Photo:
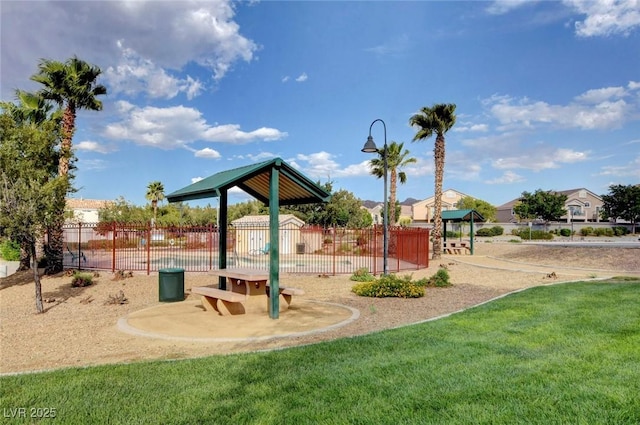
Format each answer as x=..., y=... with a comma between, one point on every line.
x=370, y=147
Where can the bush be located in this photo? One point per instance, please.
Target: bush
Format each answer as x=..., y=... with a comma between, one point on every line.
x=389, y=286
x=362, y=275
x=10, y=250
x=586, y=231
x=452, y=235
x=565, y=232
x=490, y=231
x=440, y=279
x=620, y=230
x=535, y=234
x=81, y=280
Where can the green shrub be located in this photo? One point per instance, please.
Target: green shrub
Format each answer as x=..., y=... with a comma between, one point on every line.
x=586, y=231
x=81, y=279
x=490, y=231
x=452, y=235
x=362, y=275
x=389, y=286
x=10, y=250
x=440, y=279
x=535, y=234
x=620, y=230
x=565, y=232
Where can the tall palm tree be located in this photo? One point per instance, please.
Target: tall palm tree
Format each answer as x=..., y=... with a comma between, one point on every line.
x=396, y=159
x=30, y=109
x=155, y=193
x=73, y=86
x=438, y=119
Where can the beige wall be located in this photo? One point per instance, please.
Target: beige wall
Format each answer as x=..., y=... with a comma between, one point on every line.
x=423, y=211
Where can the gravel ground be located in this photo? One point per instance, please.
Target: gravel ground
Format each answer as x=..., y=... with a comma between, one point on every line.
x=79, y=329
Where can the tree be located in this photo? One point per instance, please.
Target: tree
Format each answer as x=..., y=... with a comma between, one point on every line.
x=396, y=159
x=542, y=205
x=73, y=86
x=30, y=188
x=485, y=209
x=438, y=119
x=31, y=108
x=155, y=193
x=622, y=202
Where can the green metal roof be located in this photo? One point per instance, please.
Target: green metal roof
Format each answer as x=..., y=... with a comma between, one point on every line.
x=462, y=215
x=294, y=187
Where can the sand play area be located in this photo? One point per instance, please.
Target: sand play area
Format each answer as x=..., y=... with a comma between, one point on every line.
x=80, y=327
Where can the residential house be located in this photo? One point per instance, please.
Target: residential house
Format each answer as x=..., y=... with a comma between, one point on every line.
x=85, y=210
x=581, y=205
x=422, y=211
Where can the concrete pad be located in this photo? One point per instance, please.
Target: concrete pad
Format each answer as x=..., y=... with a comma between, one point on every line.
x=189, y=321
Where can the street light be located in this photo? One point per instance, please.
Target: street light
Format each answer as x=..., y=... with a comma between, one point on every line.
x=370, y=147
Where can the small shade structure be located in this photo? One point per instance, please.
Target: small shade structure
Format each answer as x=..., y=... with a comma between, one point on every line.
x=272, y=182
x=457, y=216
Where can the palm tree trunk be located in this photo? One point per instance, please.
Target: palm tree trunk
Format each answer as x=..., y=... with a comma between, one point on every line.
x=55, y=248
x=68, y=128
x=438, y=153
x=392, y=198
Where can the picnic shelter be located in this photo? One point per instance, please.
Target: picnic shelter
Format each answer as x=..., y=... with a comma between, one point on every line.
x=273, y=182
x=458, y=216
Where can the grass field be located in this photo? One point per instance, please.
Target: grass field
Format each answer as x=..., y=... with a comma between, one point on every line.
x=568, y=353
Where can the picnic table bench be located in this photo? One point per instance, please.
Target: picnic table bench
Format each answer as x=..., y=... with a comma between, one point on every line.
x=247, y=291
x=454, y=248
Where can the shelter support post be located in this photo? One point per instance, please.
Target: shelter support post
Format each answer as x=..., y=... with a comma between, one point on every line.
x=274, y=243
x=222, y=238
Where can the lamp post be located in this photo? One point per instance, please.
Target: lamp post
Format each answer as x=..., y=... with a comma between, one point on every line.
x=370, y=147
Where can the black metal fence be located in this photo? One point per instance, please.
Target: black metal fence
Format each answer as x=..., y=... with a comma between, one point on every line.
x=305, y=250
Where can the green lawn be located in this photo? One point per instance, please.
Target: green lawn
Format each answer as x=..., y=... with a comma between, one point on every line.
x=568, y=353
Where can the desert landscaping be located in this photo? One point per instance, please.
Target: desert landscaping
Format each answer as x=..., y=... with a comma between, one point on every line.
x=80, y=325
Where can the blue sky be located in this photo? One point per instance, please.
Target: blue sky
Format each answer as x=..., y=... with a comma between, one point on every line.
x=547, y=92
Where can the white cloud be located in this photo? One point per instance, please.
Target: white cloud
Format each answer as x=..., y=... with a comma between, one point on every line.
x=394, y=46
x=169, y=128
x=90, y=146
x=500, y=7
x=633, y=85
x=507, y=178
x=167, y=35
x=285, y=79
x=596, y=109
x=207, y=153
x=470, y=127
x=631, y=169
x=303, y=77
x=94, y=164
x=540, y=159
x=196, y=179
x=134, y=75
x=606, y=17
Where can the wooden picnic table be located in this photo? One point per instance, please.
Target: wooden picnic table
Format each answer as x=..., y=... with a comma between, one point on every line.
x=247, y=290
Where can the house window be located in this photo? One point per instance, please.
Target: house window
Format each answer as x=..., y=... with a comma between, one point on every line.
x=450, y=194
x=587, y=204
x=582, y=194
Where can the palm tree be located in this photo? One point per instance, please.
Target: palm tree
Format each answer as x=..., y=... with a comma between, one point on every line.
x=73, y=86
x=396, y=159
x=31, y=108
x=155, y=193
x=438, y=119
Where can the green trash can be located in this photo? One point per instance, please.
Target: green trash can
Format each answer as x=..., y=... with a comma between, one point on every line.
x=171, y=284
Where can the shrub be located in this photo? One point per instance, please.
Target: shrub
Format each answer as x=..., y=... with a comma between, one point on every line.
x=389, y=286
x=10, y=250
x=620, y=230
x=490, y=231
x=452, y=235
x=362, y=275
x=535, y=234
x=586, y=231
x=440, y=279
x=81, y=280
x=565, y=232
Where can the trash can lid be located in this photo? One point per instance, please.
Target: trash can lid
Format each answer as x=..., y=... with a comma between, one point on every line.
x=171, y=270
